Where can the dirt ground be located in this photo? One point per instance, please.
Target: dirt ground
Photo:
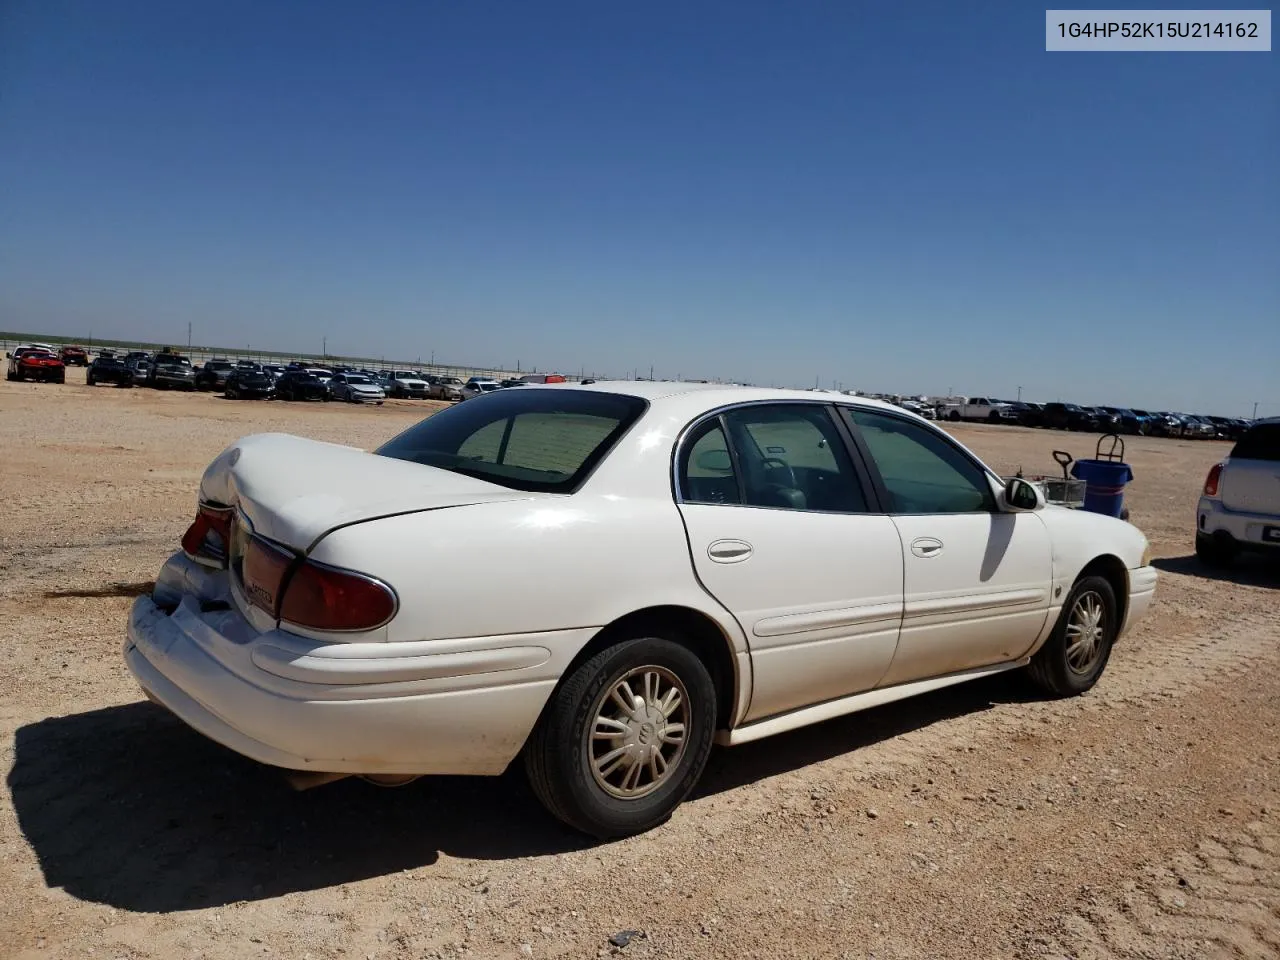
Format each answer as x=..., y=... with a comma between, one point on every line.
x=1142, y=820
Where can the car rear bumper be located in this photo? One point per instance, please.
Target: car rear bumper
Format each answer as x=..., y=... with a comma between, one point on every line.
x=302, y=704
x=1246, y=529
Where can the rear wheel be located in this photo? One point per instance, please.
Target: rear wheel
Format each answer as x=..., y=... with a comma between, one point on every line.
x=955, y=416
x=1217, y=552
x=624, y=737
x=88, y=379
x=1076, y=653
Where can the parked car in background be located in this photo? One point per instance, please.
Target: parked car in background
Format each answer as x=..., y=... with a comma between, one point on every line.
x=274, y=369
x=1228, y=428
x=139, y=364
x=1101, y=421
x=73, y=356
x=296, y=625
x=978, y=409
x=1126, y=420
x=478, y=386
x=300, y=385
x=1067, y=416
x=106, y=369
x=1196, y=427
x=1030, y=414
x=919, y=408
x=1239, y=508
x=244, y=383
x=35, y=363
x=169, y=375
x=512, y=382
x=447, y=388
x=170, y=359
x=248, y=365
x=542, y=378
x=355, y=388
x=213, y=375
x=404, y=385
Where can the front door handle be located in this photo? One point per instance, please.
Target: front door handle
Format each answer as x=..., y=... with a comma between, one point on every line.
x=729, y=551
x=926, y=547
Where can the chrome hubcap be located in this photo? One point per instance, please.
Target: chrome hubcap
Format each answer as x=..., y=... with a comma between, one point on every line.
x=637, y=736
x=1085, y=632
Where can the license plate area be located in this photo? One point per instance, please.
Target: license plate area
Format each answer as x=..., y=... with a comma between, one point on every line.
x=1271, y=534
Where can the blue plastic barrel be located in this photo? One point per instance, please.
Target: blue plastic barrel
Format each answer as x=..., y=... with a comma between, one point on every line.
x=1105, y=481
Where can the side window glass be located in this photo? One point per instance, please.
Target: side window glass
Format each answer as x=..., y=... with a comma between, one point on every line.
x=793, y=456
x=706, y=468
x=922, y=470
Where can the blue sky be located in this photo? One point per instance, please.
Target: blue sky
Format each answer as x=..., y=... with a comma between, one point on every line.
x=898, y=197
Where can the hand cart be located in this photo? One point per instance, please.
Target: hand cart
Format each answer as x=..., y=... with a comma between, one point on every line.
x=1063, y=491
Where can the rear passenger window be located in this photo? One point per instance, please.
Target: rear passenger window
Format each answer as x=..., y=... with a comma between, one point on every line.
x=706, y=468
x=785, y=456
x=1260, y=442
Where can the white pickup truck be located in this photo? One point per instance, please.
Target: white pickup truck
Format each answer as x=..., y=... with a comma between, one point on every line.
x=977, y=408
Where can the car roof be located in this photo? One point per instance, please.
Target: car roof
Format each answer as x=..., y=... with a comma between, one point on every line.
x=716, y=394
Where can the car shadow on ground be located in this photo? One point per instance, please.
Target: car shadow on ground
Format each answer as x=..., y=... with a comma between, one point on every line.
x=126, y=806
x=1247, y=570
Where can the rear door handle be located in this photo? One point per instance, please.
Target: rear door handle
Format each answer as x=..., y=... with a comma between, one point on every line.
x=729, y=551
x=926, y=547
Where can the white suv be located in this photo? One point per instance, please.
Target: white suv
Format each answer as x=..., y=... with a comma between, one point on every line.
x=1240, y=507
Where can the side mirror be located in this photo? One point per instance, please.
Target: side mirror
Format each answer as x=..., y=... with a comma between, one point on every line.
x=1021, y=495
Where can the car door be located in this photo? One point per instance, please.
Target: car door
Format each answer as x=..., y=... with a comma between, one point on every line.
x=782, y=533
x=977, y=579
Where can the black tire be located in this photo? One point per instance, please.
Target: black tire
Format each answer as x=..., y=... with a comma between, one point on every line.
x=1215, y=552
x=993, y=416
x=954, y=416
x=1050, y=669
x=88, y=380
x=557, y=757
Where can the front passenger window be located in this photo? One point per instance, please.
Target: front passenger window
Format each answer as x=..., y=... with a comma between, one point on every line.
x=923, y=471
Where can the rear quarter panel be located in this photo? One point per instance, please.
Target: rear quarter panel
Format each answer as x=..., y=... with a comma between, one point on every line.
x=526, y=566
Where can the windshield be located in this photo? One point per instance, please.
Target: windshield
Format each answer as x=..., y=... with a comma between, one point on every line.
x=219, y=365
x=535, y=440
x=356, y=378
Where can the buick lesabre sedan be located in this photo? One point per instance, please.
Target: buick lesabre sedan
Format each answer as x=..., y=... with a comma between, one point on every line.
x=681, y=565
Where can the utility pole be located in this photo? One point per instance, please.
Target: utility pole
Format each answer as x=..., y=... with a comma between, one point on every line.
x=651, y=371
x=324, y=347
x=1255, y=410
x=188, y=336
x=1019, y=394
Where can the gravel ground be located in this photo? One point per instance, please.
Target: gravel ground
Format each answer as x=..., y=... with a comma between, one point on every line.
x=1142, y=820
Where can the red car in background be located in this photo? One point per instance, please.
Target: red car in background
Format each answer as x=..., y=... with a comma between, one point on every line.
x=73, y=356
x=32, y=364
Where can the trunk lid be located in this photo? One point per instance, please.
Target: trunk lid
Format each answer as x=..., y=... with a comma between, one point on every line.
x=295, y=490
x=1251, y=479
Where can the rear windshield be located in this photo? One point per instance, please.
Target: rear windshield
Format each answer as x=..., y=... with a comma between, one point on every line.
x=537, y=440
x=1260, y=442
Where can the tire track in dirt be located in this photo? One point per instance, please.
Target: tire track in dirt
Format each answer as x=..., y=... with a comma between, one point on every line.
x=1220, y=900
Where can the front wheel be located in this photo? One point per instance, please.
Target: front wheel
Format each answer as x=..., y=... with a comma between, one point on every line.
x=624, y=737
x=1076, y=653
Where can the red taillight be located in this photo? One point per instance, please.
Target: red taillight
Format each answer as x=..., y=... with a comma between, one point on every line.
x=209, y=535
x=326, y=598
x=1212, y=480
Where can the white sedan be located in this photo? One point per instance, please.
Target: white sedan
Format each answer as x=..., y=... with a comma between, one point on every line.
x=679, y=565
